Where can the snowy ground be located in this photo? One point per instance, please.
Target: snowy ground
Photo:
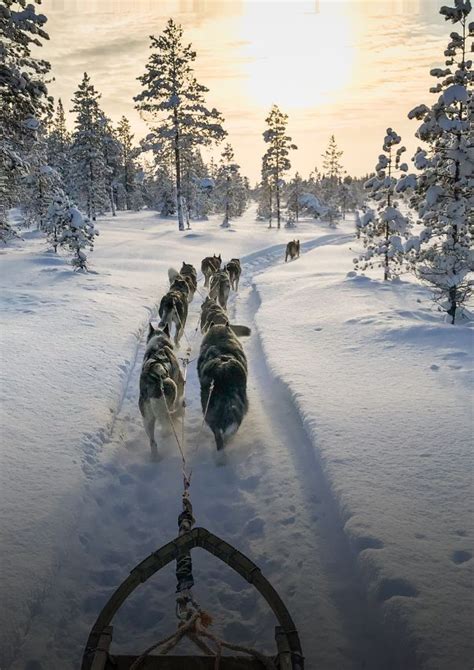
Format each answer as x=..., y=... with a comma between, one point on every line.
x=355, y=446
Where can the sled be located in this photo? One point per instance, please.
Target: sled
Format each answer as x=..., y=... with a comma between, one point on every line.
x=288, y=654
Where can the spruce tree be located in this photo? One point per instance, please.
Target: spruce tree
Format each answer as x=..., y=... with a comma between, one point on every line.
x=384, y=228
x=293, y=195
x=174, y=102
x=24, y=99
x=128, y=168
x=276, y=158
x=230, y=192
x=443, y=189
x=331, y=189
x=59, y=144
x=89, y=169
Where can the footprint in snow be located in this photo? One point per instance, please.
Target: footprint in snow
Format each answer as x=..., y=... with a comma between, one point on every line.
x=460, y=556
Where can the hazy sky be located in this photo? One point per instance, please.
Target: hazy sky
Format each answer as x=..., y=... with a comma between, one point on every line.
x=351, y=67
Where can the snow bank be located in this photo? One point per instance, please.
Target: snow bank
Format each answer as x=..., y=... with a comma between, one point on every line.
x=383, y=387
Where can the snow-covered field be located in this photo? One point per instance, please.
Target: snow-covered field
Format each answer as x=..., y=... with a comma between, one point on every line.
x=349, y=477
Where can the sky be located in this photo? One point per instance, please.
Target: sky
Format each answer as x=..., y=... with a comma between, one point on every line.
x=351, y=68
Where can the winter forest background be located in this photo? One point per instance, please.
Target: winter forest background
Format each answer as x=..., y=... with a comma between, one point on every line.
x=136, y=136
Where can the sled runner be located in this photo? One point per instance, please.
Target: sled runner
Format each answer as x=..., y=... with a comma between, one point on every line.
x=288, y=655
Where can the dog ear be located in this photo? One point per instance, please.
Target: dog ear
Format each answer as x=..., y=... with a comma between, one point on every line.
x=166, y=329
x=151, y=330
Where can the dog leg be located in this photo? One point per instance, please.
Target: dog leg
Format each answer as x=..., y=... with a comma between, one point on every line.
x=149, y=425
x=219, y=437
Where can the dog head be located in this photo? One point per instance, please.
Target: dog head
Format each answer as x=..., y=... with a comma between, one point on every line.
x=186, y=266
x=161, y=330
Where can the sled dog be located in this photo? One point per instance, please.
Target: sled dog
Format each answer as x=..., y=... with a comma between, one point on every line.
x=174, y=309
x=220, y=287
x=222, y=362
x=212, y=313
x=161, y=384
x=209, y=265
x=234, y=269
x=185, y=280
x=292, y=250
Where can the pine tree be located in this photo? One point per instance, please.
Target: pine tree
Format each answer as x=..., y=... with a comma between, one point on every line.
x=24, y=99
x=59, y=144
x=112, y=154
x=39, y=184
x=331, y=190
x=276, y=158
x=443, y=191
x=89, y=169
x=293, y=195
x=265, y=193
x=383, y=229
x=174, y=100
x=230, y=191
x=129, y=169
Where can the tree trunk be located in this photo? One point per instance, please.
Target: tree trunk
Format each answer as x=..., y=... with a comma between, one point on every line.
x=278, y=203
x=453, y=305
x=177, y=164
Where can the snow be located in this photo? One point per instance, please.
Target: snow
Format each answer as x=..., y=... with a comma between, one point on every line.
x=353, y=459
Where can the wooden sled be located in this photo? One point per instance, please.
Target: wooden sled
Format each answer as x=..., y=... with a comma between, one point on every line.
x=288, y=655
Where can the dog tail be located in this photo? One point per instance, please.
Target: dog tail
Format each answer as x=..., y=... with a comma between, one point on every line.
x=172, y=274
x=240, y=331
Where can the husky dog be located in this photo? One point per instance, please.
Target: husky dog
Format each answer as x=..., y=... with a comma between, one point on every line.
x=220, y=287
x=188, y=275
x=222, y=362
x=161, y=383
x=209, y=265
x=292, y=250
x=212, y=313
x=174, y=309
x=234, y=269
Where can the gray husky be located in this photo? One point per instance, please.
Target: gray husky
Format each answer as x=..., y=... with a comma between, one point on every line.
x=174, y=309
x=212, y=313
x=222, y=370
x=209, y=265
x=161, y=384
x=220, y=287
x=234, y=269
x=292, y=250
x=185, y=280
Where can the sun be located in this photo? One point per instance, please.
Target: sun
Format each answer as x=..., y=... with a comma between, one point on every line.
x=297, y=54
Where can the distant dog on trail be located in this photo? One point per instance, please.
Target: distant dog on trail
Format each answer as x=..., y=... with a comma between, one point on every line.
x=292, y=250
x=220, y=287
x=234, y=269
x=209, y=265
x=174, y=309
x=161, y=384
x=222, y=362
x=212, y=313
x=185, y=280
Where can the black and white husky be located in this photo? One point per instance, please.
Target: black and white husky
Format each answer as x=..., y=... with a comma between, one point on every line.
x=222, y=370
x=219, y=288
x=161, y=384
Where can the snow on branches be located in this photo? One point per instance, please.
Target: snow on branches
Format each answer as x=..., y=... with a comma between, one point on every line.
x=384, y=228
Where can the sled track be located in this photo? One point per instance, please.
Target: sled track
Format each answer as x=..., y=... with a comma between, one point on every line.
x=266, y=494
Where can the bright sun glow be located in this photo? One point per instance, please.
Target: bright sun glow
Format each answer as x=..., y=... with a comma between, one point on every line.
x=298, y=54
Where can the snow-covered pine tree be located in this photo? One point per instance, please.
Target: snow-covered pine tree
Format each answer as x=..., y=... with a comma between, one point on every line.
x=78, y=235
x=57, y=219
x=24, y=99
x=276, y=159
x=59, y=144
x=112, y=153
x=88, y=170
x=443, y=190
x=230, y=193
x=129, y=169
x=293, y=195
x=331, y=190
x=383, y=229
x=265, y=193
x=39, y=185
x=174, y=101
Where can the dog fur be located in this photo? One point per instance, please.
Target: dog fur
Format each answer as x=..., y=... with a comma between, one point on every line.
x=161, y=384
x=186, y=275
x=222, y=360
x=174, y=309
x=234, y=269
x=212, y=313
x=220, y=287
x=209, y=265
x=292, y=250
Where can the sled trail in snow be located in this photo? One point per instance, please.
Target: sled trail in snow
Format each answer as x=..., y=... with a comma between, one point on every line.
x=266, y=495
